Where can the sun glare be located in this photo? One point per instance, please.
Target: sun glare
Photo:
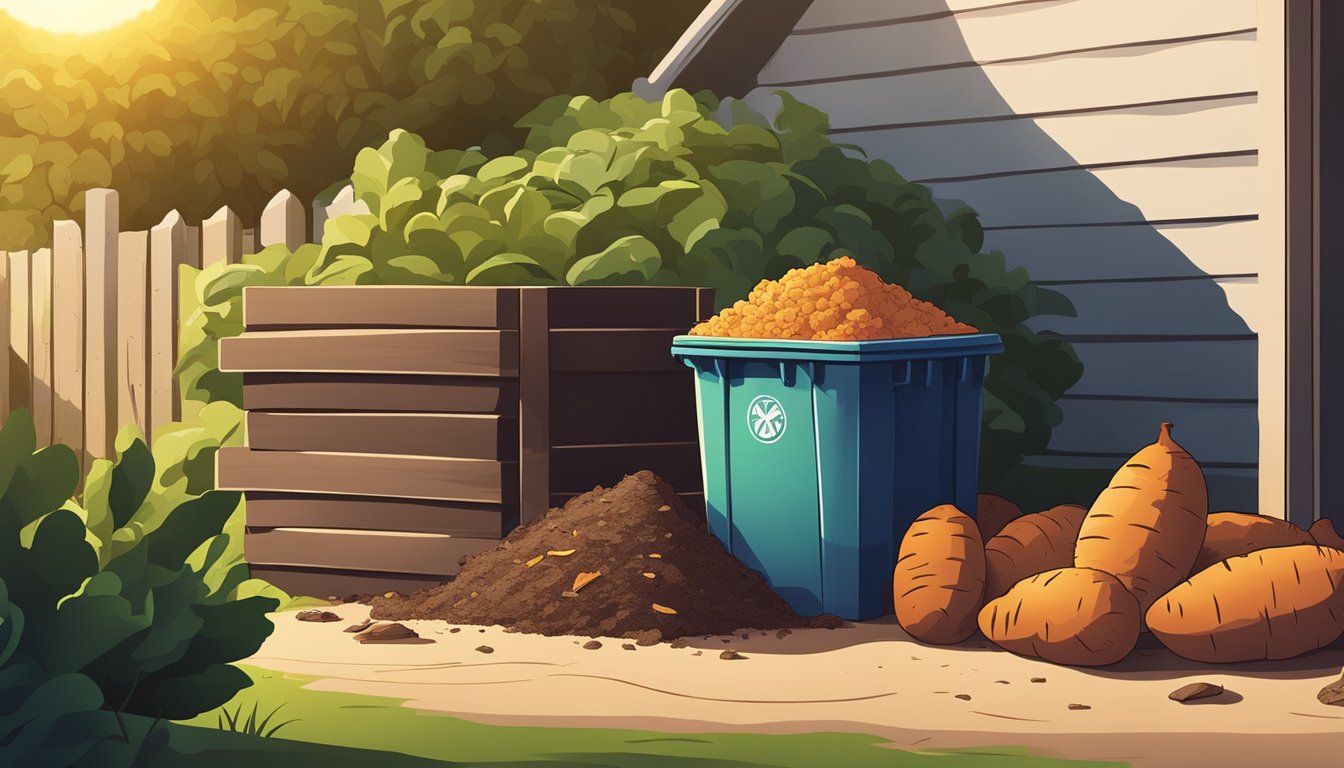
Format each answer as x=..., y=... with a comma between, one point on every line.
x=79, y=17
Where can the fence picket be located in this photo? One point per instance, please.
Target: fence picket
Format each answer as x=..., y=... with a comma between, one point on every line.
x=41, y=345
x=249, y=241
x=221, y=238
x=167, y=248
x=192, y=256
x=283, y=221
x=20, y=350
x=132, y=325
x=67, y=335
x=101, y=227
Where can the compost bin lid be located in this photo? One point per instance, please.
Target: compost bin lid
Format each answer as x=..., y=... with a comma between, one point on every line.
x=961, y=345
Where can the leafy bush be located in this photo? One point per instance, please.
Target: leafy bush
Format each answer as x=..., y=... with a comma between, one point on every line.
x=119, y=605
x=679, y=192
x=201, y=103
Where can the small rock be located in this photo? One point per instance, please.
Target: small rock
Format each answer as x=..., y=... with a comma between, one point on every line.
x=601, y=523
x=484, y=649
x=628, y=646
x=360, y=627
x=322, y=616
x=1038, y=679
x=455, y=630
x=667, y=535
x=1332, y=694
x=1195, y=691
x=731, y=655
x=680, y=642
x=475, y=594
x=389, y=595
x=606, y=501
x=592, y=645
x=698, y=653
x=963, y=696
x=332, y=599
x=569, y=593
x=1001, y=682
x=665, y=508
x=386, y=633
x=746, y=636
x=482, y=631
x=1079, y=706
x=783, y=633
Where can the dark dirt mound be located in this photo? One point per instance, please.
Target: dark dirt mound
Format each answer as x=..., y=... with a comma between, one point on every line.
x=662, y=575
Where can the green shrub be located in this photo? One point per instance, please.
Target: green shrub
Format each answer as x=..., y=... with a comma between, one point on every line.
x=202, y=103
x=121, y=604
x=673, y=192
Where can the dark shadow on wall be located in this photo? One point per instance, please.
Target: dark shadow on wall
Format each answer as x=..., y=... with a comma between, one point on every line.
x=1162, y=299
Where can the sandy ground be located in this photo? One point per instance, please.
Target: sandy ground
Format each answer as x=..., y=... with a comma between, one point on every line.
x=868, y=678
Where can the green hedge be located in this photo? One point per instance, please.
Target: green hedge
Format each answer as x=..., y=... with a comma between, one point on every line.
x=124, y=603
x=681, y=191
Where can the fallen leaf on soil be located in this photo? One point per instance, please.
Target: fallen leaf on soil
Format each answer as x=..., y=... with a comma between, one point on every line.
x=1195, y=691
x=585, y=578
x=628, y=646
x=665, y=508
x=655, y=554
x=592, y=645
x=1333, y=693
x=664, y=609
x=382, y=633
x=535, y=560
x=731, y=655
x=360, y=627
x=561, y=552
x=317, y=616
x=963, y=696
x=569, y=593
x=389, y=595
x=648, y=575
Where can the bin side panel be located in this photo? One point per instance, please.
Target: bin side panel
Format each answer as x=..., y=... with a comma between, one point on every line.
x=711, y=397
x=773, y=499
x=922, y=446
x=969, y=409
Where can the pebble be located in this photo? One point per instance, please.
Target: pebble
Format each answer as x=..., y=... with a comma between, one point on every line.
x=628, y=646
x=485, y=649
x=731, y=655
x=665, y=508
x=1079, y=706
x=1038, y=679
x=318, y=616
x=963, y=696
x=592, y=645
x=1195, y=691
x=455, y=630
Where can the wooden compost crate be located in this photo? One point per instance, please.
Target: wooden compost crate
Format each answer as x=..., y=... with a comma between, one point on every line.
x=394, y=431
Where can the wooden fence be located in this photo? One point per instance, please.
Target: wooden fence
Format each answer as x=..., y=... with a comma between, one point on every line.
x=92, y=319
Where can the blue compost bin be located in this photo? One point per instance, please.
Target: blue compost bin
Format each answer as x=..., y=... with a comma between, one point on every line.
x=817, y=455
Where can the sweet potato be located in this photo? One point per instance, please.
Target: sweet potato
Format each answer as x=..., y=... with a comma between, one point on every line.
x=1272, y=604
x=992, y=513
x=1031, y=544
x=1076, y=616
x=1230, y=534
x=1323, y=533
x=1146, y=528
x=940, y=576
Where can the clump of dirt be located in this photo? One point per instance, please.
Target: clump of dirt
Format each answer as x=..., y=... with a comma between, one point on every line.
x=660, y=575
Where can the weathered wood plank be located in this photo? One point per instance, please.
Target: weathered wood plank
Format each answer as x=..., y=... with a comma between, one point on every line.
x=323, y=583
x=418, y=477
x=454, y=352
x=1201, y=307
x=132, y=331
x=275, y=510
x=463, y=436
x=622, y=307
x=1206, y=370
x=372, y=392
x=1131, y=252
x=583, y=467
x=167, y=250
x=284, y=222
x=1016, y=32
x=41, y=345
x=1211, y=432
x=221, y=238
x=368, y=306
x=588, y=408
x=1122, y=135
x=534, y=401
x=101, y=235
x=613, y=350
x=1217, y=67
x=419, y=553
x=1183, y=189
x=67, y=333
x=20, y=331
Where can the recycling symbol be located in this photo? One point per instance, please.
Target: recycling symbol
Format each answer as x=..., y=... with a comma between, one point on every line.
x=766, y=418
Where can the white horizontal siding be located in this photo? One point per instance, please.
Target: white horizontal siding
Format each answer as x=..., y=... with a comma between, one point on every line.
x=1017, y=32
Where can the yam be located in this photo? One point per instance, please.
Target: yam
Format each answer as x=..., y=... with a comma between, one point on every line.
x=1075, y=616
x=992, y=513
x=1031, y=544
x=940, y=576
x=1146, y=528
x=1272, y=604
x=1323, y=533
x=1230, y=534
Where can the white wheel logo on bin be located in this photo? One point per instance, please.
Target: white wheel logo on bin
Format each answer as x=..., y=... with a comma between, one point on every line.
x=766, y=418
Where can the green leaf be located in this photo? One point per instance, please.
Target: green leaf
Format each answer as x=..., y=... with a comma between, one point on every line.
x=510, y=269
x=629, y=260
x=132, y=478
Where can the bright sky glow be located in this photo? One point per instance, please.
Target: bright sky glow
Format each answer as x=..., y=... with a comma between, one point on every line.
x=77, y=16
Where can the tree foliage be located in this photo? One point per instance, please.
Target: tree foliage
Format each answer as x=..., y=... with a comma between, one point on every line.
x=203, y=103
x=677, y=192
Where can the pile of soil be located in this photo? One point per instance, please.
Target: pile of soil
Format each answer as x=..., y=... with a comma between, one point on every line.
x=663, y=575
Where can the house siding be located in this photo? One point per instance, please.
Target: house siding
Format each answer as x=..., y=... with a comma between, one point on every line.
x=1111, y=148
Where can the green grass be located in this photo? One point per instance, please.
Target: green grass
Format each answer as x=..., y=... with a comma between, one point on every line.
x=361, y=724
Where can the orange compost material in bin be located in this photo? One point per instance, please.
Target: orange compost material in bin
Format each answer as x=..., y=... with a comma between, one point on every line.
x=835, y=301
